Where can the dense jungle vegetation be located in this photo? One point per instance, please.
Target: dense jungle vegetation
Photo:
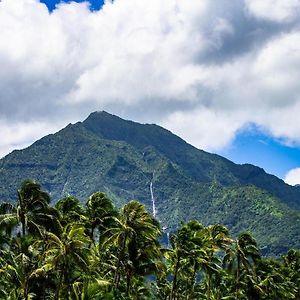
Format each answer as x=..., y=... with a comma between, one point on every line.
x=95, y=251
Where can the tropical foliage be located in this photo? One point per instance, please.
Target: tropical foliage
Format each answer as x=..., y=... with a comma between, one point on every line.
x=94, y=251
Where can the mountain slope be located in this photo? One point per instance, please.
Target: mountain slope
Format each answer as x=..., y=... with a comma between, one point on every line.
x=202, y=166
x=128, y=160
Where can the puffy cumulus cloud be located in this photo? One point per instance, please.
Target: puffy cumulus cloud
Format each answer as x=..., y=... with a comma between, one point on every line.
x=277, y=65
x=150, y=55
x=293, y=177
x=271, y=82
x=203, y=126
x=18, y=136
x=274, y=10
x=260, y=87
x=128, y=51
x=203, y=69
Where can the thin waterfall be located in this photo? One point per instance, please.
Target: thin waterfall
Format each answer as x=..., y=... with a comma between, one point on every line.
x=168, y=239
x=152, y=200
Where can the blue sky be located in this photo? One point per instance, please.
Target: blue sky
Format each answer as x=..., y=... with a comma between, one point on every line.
x=95, y=4
x=203, y=69
x=255, y=147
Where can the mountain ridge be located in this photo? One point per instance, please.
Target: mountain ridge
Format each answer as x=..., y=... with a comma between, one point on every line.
x=124, y=158
x=250, y=171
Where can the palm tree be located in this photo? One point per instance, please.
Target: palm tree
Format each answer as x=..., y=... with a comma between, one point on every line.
x=70, y=210
x=241, y=257
x=32, y=201
x=100, y=213
x=92, y=284
x=291, y=263
x=193, y=252
x=135, y=235
x=32, y=211
x=15, y=269
x=8, y=221
x=277, y=279
x=219, y=237
x=182, y=258
x=217, y=240
x=65, y=254
x=177, y=257
x=91, y=288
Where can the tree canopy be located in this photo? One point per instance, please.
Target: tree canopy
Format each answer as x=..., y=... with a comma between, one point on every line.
x=95, y=251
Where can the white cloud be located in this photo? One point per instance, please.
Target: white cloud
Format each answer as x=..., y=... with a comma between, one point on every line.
x=293, y=177
x=264, y=85
x=203, y=127
x=19, y=136
x=172, y=60
x=274, y=10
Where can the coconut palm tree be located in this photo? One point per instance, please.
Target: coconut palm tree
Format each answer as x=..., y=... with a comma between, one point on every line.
x=66, y=255
x=91, y=288
x=275, y=279
x=32, y=211
x=193, y=252
x=241, y=258
x=8, y=221
x=291, y=263
x=183, y=256
x=70, y=210
x=218, y=240
x=7, y=217
x=32, y=201
x=19, y=261
x=134, y=235
x=100, y=214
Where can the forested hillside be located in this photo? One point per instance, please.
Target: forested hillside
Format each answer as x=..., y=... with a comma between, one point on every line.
x=127, y=160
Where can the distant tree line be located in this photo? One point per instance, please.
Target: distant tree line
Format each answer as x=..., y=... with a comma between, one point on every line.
x=70, y=251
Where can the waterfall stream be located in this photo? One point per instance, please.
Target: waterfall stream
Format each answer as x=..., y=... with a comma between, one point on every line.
x=152, y=200
x=154, y=211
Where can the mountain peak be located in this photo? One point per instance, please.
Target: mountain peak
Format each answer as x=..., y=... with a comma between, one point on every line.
x=104, y=115
x=101, y=114
x=98, y=120
x=109, y=126
x=129, y=160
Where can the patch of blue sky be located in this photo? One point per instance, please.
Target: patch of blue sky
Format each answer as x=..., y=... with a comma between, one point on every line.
x=94, y=4
x=258, y=148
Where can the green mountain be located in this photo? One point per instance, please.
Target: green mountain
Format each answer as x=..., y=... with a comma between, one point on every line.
x=128, y=161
